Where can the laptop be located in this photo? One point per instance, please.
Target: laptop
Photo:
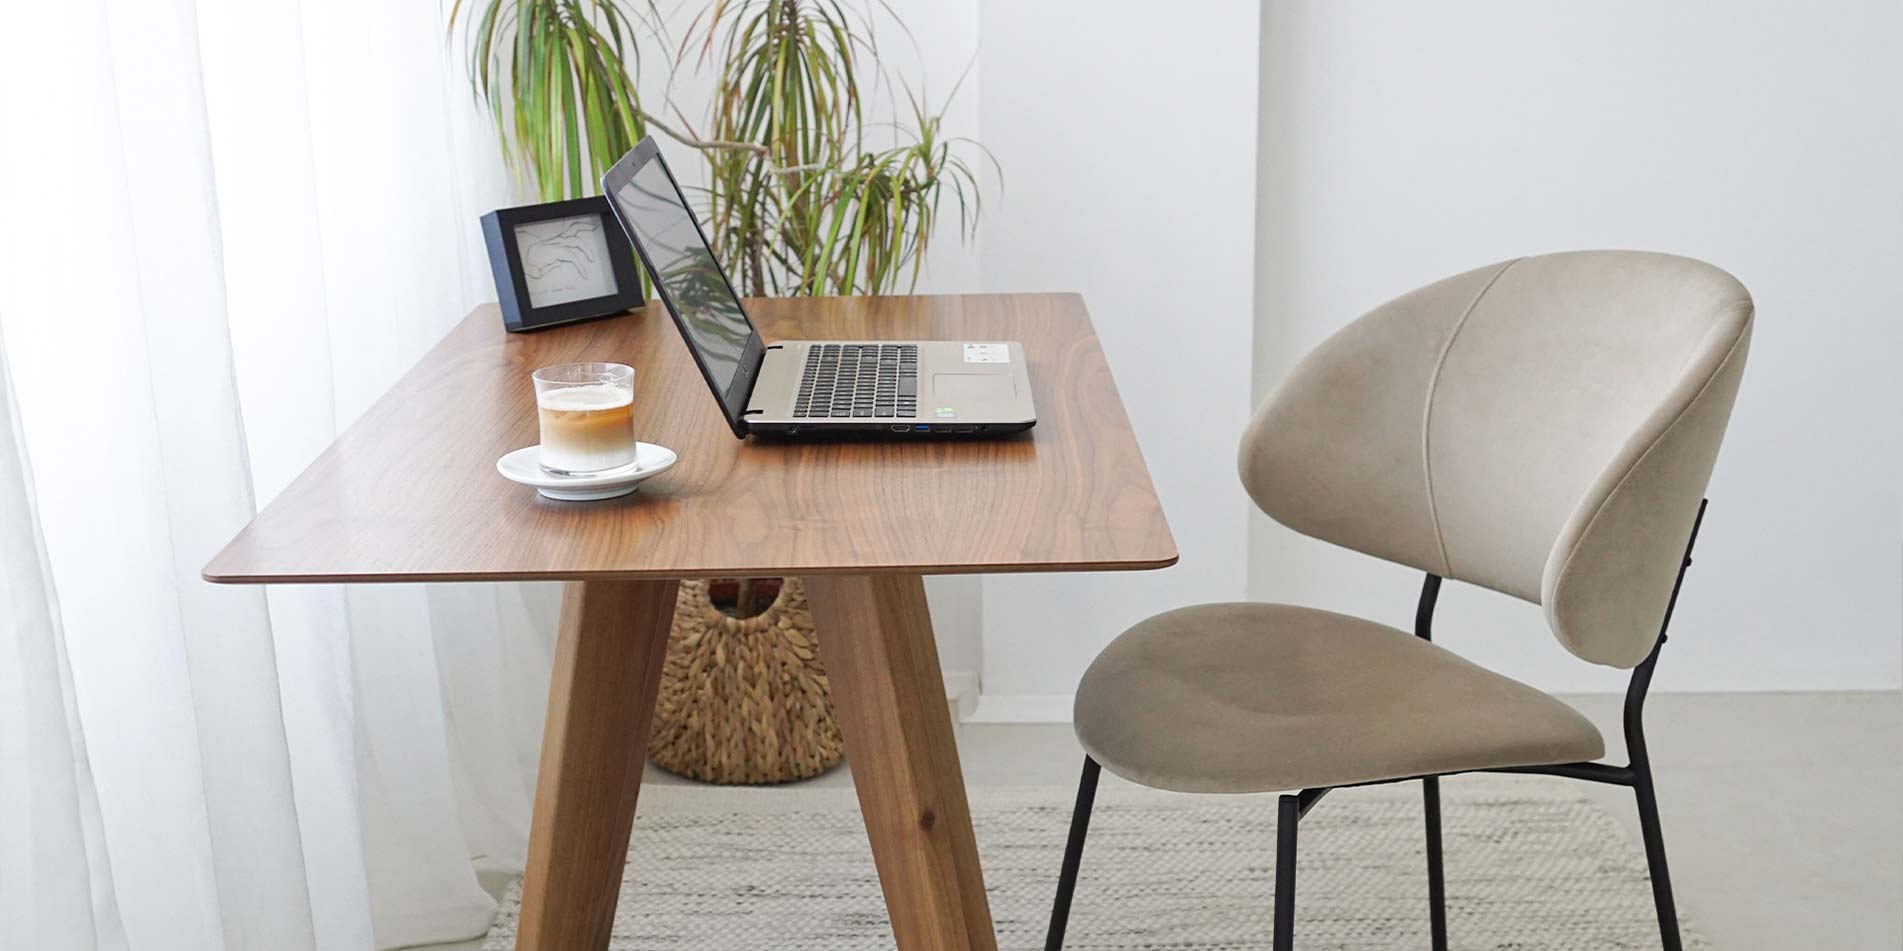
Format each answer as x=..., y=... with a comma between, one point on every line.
x=897, y=389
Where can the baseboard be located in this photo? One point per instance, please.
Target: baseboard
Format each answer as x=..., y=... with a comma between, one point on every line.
x=1022, y=708
x=961, y=691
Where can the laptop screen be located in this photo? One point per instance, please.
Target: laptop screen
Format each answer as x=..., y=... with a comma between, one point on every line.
x=690, y=281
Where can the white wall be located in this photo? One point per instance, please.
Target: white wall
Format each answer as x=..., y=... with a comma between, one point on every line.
x=1403, y=142
x=1127, y=138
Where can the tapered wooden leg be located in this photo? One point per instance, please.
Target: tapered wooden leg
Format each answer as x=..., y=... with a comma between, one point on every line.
x=876, y=641
x=608, y=655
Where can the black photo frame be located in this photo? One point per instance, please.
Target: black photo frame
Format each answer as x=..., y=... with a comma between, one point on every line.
x=579, y=270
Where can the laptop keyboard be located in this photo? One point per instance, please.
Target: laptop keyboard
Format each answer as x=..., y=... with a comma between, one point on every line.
x=847, y=380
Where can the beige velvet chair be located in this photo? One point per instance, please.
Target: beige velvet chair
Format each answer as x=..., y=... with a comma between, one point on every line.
x=1544, y=427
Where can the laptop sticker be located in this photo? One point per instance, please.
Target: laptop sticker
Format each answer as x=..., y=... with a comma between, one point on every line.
x=987, y=353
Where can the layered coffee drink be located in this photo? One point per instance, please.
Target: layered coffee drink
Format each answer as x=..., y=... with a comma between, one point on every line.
x=587, y=416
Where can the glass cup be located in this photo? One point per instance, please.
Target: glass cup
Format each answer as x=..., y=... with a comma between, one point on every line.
x=587, y=415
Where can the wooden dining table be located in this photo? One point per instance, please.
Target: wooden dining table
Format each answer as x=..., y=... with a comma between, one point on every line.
x=410, y=493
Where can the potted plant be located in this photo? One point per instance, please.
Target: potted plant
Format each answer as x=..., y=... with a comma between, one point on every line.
x=799, y=201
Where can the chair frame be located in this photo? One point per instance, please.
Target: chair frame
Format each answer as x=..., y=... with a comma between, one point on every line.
x=1291, y=807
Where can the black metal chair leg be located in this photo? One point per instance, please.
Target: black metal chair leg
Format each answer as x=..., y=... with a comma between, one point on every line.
x=1655, y=859
x=1073, y=855
x=1288, y=817
x=1436, y=880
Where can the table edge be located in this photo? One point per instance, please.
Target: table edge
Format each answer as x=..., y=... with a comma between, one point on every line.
x=243, y=578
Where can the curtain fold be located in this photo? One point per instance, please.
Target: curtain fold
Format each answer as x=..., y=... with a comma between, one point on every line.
x=55, y=887
x=200, y=477
x=232, y=224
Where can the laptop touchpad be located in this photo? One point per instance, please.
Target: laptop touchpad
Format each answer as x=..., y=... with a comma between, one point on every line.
x=971, y=386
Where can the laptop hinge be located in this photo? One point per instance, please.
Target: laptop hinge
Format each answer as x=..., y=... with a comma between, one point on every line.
x=753, y=384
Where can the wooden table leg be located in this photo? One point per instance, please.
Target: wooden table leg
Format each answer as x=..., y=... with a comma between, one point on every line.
x=608, y=656
x=876, y=641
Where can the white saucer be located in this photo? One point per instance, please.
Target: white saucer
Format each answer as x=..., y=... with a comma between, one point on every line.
x=525, y=466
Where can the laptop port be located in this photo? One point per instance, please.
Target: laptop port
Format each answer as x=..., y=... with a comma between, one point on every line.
x=900, y=428
x=965, y=429
x=922, y=428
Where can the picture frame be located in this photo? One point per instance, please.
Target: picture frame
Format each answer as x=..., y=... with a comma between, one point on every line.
x=560, y=262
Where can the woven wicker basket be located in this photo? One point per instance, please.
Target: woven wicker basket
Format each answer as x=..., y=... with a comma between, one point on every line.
x=744, y=700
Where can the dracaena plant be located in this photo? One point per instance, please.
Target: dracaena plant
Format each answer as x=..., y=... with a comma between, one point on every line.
x=804, y=195
x=558, y=79
x=799, y=200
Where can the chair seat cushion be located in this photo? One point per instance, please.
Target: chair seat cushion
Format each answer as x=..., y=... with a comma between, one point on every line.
x=1257, y=697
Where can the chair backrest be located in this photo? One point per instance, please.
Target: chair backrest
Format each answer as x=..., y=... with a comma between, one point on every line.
x=1544, y=427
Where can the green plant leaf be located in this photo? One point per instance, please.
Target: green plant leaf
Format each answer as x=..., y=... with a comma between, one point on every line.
x=794, y=202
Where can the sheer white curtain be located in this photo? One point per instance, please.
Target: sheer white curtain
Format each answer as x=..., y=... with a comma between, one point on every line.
x=55, y=885
x=229, y=225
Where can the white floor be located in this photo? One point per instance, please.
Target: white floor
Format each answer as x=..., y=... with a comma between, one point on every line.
x=1783, y=813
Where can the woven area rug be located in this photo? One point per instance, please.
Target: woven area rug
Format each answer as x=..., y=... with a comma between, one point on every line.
x=1530, y=867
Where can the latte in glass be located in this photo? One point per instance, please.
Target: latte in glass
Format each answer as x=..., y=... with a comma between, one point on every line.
x=587, y=416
